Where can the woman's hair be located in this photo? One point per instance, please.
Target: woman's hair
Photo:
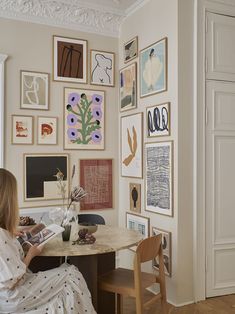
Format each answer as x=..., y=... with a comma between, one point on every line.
x=9, y=210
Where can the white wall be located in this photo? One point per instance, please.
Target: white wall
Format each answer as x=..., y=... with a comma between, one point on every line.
x=29, y=47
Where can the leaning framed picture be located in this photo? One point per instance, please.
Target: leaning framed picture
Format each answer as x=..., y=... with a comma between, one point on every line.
x=138, y=223
x=102, y=68
x=69, y=59
x=84, y=113
x=40, y=180
x=166, y=246
x=34, y=90
x=47, y=130
x=96, y=177
x=128, y=87
x=153, y=68
x=131, y=49
x=22, y=129
x=159, y=177
x=158, y=120
x=135, y=197
x=131, y=145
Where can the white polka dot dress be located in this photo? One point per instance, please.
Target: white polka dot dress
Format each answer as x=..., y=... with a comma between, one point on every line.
x=61, y=290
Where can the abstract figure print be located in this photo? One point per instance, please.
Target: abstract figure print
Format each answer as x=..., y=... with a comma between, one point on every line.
x=102, y=68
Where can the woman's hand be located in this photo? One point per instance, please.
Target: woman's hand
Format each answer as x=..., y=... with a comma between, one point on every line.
x=33, y=251
x=18, y=233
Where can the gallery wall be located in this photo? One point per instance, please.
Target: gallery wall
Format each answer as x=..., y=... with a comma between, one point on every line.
x=30, y=48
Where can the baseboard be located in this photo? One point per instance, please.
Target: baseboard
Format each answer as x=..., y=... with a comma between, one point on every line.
x=180, y=304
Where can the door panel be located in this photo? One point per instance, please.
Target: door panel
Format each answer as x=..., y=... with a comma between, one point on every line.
x=220, y=47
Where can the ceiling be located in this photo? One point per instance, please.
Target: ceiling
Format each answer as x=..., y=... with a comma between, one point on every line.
x=96, y=16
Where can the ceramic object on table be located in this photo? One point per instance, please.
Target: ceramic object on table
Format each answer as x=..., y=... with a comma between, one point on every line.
x=91, y=227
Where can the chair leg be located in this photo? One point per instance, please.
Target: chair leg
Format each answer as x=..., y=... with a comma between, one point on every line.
x=164, y=305
x=139, y=305
x=119, y=304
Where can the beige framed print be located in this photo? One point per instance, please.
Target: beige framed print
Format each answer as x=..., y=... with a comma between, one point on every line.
x=47, y=130
x=128, y=87
x=138, y=223
x=158, y=120
x=34, y=90
x=131, y=49
x=159, y=178
x=166, y=247
x=22, y=129
x=135, y=197
x=102, y=68
x=131, y=145
x=69, y=59
x=153, y=68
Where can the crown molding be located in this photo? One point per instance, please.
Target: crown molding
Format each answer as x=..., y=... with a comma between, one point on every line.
x=70, y=14
x=134, y=7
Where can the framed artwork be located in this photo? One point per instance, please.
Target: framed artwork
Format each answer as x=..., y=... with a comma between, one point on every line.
x=84, y=113
x=96, y=177
x=138, y=223
x=159, y=178
x=128, y=87
x=40, y=181
x=135, y=197
x=153, y=68
x=69, y=59
x=166, y=245
x=131, y=49
x=131, y=145
x=102, y=68
x=34, y=90
x=158, y=120
x=47, y=130
x=22, y=129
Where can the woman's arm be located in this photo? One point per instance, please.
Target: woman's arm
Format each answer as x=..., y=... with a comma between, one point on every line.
x=33, y=251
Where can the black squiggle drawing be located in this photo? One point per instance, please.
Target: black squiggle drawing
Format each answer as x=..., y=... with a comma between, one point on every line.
x=158, y=121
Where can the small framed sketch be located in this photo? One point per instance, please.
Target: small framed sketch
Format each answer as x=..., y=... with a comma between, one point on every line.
x=84, y=113
x=138, y=223
x=158, y=120
x=131, y=49
x=153, y=68
x=135, y=197
x=128, y=87
x=40, y=180
x=166, y=245
x=131, y=145
x=69, y=59
x=22, y=129
x=96, y=177
x=34, y=90
x=102, y=68
x=159, y=178
x=47, y=130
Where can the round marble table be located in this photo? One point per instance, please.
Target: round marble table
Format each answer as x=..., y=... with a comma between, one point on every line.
x=92, y=260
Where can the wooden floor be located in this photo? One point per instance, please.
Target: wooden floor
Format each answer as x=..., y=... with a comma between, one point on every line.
x=219, y=305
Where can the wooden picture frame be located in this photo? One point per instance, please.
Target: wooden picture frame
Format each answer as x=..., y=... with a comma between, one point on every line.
x=159, y=177
x=166, y=245
x=128, y=87
x=131, y=49
x=96, y=177
x=153, y=68
x=138, y=223
x=131, y=146
x=158, y=120
x=135, y=197
x=84, y=119
x=40, y=181
x=69, y=59
x=47, y=130
x=34, y=90
x=102, y=68
x=22, y=129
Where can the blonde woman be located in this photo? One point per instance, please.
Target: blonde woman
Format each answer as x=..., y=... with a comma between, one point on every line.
x=57, y=291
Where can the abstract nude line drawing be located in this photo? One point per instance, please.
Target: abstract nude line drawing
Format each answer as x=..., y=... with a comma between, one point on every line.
x=159, y=178
x=158, y=120
x=102, y=68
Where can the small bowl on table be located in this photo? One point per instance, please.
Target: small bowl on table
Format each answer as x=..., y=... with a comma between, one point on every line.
x=91, y=227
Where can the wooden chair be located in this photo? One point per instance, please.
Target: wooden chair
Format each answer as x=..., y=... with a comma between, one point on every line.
x=133, y=283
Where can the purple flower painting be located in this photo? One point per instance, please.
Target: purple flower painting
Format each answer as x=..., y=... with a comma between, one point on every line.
x=84, y=119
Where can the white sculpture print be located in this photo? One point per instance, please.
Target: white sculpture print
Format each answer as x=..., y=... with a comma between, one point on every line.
x=102, y=68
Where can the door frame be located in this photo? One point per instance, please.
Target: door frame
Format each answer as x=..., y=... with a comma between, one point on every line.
x=201, y=7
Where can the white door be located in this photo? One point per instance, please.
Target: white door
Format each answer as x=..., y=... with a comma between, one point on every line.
x=220, y=155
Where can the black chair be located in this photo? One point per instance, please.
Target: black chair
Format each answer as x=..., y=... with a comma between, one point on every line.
x=92, y=218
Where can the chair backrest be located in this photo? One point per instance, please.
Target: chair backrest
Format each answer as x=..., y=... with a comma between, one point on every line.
x=92, y=218
x=149, y=248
